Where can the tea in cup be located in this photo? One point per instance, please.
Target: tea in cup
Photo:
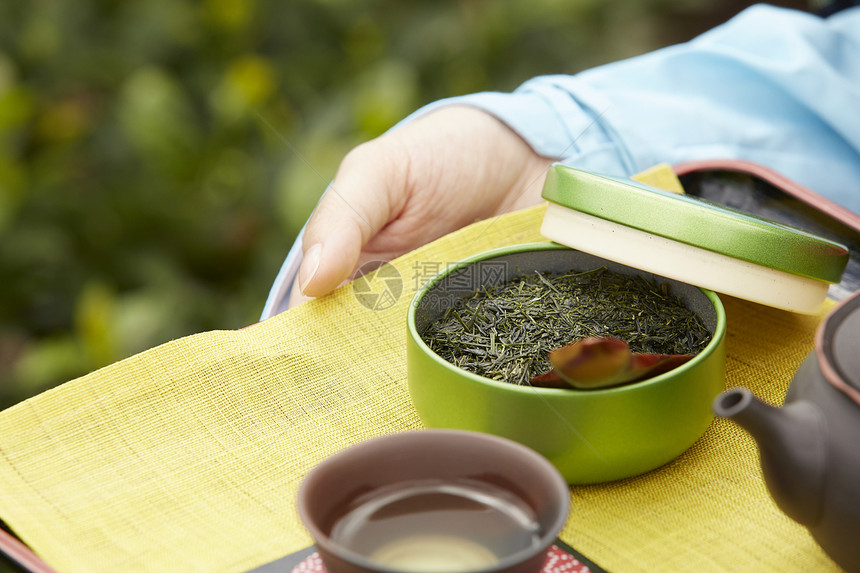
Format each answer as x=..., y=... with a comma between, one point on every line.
x=434, y=501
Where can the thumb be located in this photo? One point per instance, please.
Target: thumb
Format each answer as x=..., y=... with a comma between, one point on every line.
x=354, y=208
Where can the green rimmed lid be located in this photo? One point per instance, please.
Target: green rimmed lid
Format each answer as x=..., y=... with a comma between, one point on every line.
x=698, y=223
x=692, y=240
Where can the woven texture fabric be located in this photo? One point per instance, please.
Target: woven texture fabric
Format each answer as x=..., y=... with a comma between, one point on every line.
x=187, y=457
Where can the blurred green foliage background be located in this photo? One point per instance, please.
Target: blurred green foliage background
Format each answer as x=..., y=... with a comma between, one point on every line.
x=157, y=157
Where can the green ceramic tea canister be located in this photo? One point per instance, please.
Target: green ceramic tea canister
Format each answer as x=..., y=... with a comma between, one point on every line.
x=693, y=247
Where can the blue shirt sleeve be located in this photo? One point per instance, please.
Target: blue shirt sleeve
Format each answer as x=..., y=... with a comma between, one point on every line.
x=773, y=86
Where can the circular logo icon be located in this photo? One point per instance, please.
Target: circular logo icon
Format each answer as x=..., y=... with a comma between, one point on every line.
x=378, y=286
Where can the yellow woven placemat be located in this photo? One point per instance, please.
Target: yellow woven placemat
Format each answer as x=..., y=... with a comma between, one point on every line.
x=187, y=457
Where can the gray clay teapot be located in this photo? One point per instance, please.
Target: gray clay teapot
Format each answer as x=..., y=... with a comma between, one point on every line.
x=810, y=448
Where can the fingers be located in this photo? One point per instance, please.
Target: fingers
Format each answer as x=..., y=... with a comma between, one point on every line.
x=296, y=297
x=410, y=186
x=354, y=208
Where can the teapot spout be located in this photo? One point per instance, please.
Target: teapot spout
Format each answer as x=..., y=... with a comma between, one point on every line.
x=791, y=448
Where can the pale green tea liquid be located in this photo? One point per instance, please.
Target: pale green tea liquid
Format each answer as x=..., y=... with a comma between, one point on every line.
x=438, y=527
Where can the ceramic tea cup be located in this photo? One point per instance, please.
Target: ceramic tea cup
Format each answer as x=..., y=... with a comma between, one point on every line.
x=591, y=436
x=434, y=501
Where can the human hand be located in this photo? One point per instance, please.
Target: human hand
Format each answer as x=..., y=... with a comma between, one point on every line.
x=454, y=166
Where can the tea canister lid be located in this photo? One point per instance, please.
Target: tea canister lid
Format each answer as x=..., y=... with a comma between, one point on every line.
x=691, y=240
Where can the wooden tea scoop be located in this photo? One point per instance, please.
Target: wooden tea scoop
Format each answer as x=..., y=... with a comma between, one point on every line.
x=603, y=361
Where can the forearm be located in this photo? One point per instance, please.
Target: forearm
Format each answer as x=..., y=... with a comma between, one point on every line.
x=773, y=86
